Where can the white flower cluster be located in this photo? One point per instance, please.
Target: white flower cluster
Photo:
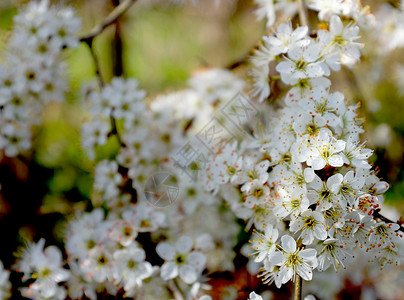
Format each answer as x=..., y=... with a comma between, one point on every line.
x=326, y=9
x=307, y=178
x=305, y=61
x=44, y=266
x=303, y=180
x=33, y=73
x=103, y=251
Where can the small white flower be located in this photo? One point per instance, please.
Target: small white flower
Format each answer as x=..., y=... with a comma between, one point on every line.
x=293, y=260
x=311, y=223
x=323, y=150
x=264, y=245
x=302, y=61
x=131, y=267
x=45, y=267
x=325, y=194
x=333, y=253
x=180, y=260
x=286, y=37
x=293, y=201
x=99, y=264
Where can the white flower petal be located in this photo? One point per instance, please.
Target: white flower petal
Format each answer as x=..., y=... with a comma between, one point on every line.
x=288, y=243
x=169, y=270
x=183, y=244
x=188, y=274
x=165, y=251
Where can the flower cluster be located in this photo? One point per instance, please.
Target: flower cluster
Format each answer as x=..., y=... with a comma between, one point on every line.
x=34, y=73
x=325, y=8
x=304, y=61
x=44, y=266
x=307, y=178
x=105, y=252
x=298, y=174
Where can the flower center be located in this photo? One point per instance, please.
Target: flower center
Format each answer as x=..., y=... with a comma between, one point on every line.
x=131, y=264
x=127, y=231
x=45, y=272
x=309, y=222
x=145, y=223
x=90, y=244
x=301, y=64
x=381, y=229
x=295, y=203
x=258, y=192
x=293, y=260
x=102, y=260
x=180, y=259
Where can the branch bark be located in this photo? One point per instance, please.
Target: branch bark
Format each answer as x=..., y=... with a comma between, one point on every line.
x=378, y=215
x=96, y=63
x=303, y=13
x=109, y=20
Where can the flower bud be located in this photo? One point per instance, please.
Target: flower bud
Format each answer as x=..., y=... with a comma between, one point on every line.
x=380, y=188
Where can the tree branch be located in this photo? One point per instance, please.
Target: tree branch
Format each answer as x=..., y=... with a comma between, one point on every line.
x=117, y=46
x=96, y=62
x=109, y=20
x=303, y=13
x=114, y=131
x=378, y=215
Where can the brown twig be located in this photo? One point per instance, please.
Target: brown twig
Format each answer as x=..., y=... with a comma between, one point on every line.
x=298, y=288
x=114, y=131
x=96, y=62
x=109, y=20
x=89, y=40
x=378, y=215
x=303, y=13
x=117, y=46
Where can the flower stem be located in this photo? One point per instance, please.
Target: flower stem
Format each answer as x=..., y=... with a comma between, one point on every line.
x=303, y=13
x=298, y=288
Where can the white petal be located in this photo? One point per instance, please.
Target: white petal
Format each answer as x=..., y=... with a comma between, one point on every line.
x=300, y=32
x=308, y=174
x=334, y=183
x=277, y=259
x=169, y=270
x=305, y=272
x=183, y=244
x=197, y=259
x=288, y=243
x=317, y=163
x=165, y=251
x=320, y=233
x=336, y=161
x=188, y=274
